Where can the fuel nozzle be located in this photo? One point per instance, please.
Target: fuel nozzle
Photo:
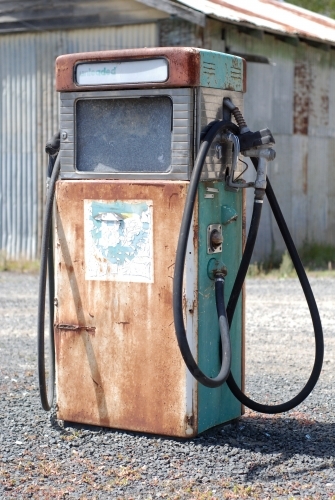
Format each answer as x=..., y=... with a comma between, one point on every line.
x=254, y=145
x=52, y=149
x=247, y=138
x=53, y=145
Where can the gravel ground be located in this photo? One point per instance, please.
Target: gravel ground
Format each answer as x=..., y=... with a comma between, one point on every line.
x=267, y=457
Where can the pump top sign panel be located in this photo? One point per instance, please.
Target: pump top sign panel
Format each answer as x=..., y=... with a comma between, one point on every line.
x=122, y=72
x=150, y=68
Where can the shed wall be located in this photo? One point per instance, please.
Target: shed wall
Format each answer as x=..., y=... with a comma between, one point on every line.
x=29, y=116
x=294, y=96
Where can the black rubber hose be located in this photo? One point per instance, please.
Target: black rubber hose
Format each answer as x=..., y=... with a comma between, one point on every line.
x=247, y=254
x=47, y=394
x=319, y=346
x=180, y=263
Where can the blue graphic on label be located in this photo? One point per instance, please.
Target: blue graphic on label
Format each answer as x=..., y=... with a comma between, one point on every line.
x=118, y=240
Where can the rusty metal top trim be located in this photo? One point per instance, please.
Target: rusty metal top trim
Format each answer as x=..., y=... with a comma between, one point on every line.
x=270, y=15
x=184, y=67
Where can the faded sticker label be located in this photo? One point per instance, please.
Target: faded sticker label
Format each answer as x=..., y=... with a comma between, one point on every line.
x=118, y=240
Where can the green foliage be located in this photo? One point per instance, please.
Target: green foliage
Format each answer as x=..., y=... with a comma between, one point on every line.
x=318, y=256
x=314, y=257
x=325, y=7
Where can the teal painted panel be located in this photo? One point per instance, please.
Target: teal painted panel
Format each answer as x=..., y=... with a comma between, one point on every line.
x=221, y=71
x=216, y=406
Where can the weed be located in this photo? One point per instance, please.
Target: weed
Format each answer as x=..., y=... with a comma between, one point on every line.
x=317, y=258
x=20, y=265
x=124, y=475
x=317, y=255
x=255, y=270
x=286, y=267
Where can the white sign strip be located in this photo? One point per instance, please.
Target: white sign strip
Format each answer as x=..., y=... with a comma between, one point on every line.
x=120, y=72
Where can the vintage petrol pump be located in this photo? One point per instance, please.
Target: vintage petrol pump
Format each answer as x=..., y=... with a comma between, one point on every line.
x=149, y=226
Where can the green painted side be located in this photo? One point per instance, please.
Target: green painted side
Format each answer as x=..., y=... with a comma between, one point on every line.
x=221, y=71
x=218, y=405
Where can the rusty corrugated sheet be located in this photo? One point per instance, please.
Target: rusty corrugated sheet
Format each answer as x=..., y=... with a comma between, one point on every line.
x=29, y=116
x=270, y=15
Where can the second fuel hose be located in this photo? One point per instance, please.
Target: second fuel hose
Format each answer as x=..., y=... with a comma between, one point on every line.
x=211, y=133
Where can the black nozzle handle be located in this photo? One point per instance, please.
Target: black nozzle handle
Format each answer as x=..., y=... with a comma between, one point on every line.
x=53, y=145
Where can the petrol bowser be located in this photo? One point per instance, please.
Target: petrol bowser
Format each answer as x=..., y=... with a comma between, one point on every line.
x=149, y=241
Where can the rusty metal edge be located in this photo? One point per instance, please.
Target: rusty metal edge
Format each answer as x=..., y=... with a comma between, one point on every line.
x=184, y=67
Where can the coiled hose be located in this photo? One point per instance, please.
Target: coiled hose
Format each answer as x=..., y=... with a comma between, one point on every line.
x=179, y=271
x=236, y=290
x=237, y=287
x=47, y=268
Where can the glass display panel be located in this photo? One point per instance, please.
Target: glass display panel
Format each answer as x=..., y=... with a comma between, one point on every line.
x=119, y=72
x=124, y=135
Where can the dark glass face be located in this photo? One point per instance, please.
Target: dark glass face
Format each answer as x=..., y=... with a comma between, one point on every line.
x=124, y=135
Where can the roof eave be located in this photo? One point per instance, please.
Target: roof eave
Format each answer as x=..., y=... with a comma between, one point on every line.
x=177, y=10
x=294, y=36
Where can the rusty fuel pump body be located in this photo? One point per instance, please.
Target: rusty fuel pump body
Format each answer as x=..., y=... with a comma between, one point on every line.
x=130, y=126
x=149, y=231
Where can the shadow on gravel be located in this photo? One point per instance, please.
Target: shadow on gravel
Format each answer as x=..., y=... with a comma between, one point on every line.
x=278, y=435
x=290, y=435
x=281, y=438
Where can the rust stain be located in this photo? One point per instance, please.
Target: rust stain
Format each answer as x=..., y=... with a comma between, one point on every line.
x=195, y=234
x=75, y=328
x=189, y=420
x=184, y=67
x=325, y=109
x=305, y=174
x=302, y=89
x=111, y=379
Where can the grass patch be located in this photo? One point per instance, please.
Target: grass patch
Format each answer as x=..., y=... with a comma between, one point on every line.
x=318, y=259
x=18, y=266
x=317, y=256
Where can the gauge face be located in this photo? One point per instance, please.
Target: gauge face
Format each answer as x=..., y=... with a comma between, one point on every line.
x=122, y=72
x=124, y=135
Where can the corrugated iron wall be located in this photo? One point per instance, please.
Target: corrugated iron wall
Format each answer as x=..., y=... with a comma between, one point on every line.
x=294, y=96
x=29, y=116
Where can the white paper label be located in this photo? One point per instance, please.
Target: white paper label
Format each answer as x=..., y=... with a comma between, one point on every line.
x=118, y=240
x=112, y=73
